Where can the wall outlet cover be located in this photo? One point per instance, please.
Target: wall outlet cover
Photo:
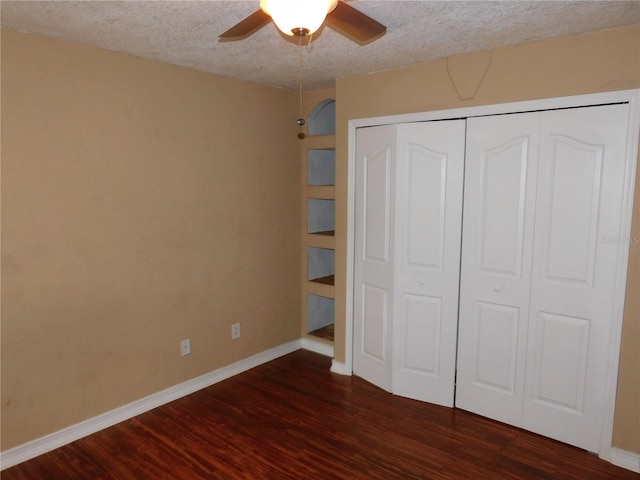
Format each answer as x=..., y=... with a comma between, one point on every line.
x=235, y=331
x=185, y=347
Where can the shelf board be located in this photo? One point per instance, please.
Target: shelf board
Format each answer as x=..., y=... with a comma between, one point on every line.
x=320, y=289
x=328, y=280
x=324, y=333
x=322, y=192
x=321, y=240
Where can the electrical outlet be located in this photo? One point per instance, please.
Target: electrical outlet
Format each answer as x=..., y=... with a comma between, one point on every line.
x=235, y=331
x=185, y=347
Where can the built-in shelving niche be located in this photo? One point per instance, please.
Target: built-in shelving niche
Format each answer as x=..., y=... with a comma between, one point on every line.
x=321, y=265
x=321, y=177
x=320, y=312
x=321, y=217
x=321, y=166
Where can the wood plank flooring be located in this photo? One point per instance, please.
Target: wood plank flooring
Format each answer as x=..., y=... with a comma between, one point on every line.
x=293, y=419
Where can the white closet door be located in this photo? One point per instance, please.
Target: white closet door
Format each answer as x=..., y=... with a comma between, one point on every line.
x=430, y=172
x=499, y=202
x=374, y=258
x=577, y=241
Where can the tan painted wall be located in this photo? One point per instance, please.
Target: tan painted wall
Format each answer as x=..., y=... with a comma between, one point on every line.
x=598, y=62
x=142, y=204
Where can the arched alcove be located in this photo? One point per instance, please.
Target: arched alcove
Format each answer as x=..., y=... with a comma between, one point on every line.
x=322, y=119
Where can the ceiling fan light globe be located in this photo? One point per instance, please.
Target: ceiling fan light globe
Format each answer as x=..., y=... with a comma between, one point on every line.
x=290, y=15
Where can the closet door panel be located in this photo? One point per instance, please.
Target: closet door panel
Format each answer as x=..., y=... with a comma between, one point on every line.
x=573, y=180
x=422, y=316
x=499, y=202
x=496, y=346
x=430, y=168
x=502, y=197
x=374, y=258
x=581, y=173
x=561, y=371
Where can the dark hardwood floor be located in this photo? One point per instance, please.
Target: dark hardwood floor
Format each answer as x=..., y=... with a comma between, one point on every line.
x=293, y=419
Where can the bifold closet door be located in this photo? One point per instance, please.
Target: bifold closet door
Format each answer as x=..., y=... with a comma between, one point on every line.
x=429, y=179
x=499, y=203
x=577, y=242
x=374, y=254
x=538, y=273
x=409, y=181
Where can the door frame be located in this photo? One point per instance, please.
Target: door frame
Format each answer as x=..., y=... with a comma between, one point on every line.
x=632, y=97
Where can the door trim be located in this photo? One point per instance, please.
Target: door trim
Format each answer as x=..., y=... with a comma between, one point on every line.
x=632, y=97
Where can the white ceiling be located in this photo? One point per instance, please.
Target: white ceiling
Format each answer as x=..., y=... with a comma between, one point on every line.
x=185, y=32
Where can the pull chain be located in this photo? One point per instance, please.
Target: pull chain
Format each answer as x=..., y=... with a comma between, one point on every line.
x=300, y=120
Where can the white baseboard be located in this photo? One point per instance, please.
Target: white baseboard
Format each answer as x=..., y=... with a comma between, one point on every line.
x=340, y=368
x=317, y=346
x=624, y=459
x=32, y=449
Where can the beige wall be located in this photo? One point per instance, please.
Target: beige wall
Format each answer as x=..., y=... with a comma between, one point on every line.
x=142, y=204
x=598, y=62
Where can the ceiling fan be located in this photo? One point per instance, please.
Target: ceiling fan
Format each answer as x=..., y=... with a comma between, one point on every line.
x=303, y=17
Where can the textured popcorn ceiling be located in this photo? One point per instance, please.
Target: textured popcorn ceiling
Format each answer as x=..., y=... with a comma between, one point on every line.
x=185, y=32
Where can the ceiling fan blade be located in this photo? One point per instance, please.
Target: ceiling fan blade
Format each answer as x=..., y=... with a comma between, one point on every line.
x=354, y=24
x=246, y=27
